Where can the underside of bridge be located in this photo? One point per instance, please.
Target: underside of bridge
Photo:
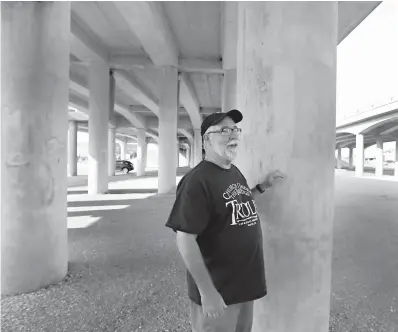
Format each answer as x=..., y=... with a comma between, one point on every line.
x=152, y=70
x=375, y=126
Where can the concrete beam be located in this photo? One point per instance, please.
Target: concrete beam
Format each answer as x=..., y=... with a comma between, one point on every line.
x=189, y=65
x=83, y=46
x=189, y=100
x=149, y=24
x=351, y=14
x=136, y=120
x=183, y=122
x=79, y=103
x=199, y=65
x=77, y=116
x=119, y=136
x=390, y=130
x=186, y=133
x=130, y=85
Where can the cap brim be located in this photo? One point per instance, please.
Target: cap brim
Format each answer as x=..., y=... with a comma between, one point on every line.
x=235, y=115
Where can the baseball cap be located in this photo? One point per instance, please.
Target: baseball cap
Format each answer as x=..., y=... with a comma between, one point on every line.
x=215, y=118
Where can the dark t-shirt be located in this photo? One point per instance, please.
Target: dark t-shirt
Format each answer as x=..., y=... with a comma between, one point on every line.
x=217, y=205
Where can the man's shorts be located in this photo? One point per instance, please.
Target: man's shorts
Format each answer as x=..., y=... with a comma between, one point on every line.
x=236, y=318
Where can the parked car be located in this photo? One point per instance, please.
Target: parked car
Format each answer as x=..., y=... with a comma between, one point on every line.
x=124, y=165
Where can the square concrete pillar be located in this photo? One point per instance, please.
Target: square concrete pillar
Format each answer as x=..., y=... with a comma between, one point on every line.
x=379, y=157
x=98, y=82
x=339, y=163
x=35, y=39
x=360, y=155
x=168, y=115
x=287, y=93
x=351, y=156
x=72, y=148
x=122, y=150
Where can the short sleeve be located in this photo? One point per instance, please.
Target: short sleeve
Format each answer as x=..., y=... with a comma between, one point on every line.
x=192, y=208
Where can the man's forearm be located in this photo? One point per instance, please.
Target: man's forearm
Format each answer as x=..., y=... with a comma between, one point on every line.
x=192, y=257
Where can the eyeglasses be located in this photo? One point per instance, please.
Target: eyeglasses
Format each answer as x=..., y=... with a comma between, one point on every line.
x=226, y=131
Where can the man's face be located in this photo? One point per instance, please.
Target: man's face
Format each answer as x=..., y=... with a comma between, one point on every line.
x=225, y=145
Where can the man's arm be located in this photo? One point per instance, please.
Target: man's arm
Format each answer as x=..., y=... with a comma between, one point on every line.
x=192, y=257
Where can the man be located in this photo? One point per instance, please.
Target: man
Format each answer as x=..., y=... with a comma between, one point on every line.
x=219, y=233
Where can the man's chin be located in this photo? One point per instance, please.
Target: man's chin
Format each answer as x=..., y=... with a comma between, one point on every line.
x=231, y=155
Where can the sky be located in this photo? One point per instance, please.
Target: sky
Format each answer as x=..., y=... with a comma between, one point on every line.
x=367, y=63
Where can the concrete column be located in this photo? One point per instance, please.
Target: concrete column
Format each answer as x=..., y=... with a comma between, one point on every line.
x=360, y=155
x=141, y=152
x=34, y=141
x=379, y=157
x=122, y=150
x=229, y=97
x=350, y=155
x=192, y=156
x=111, y=151
x=112, y=127
x=339, y=158
x=396, y=159
x=168, y=113
x=197, y=147
x=286, y=80
x=188, y=155
x=72, y=148
x=98, y=82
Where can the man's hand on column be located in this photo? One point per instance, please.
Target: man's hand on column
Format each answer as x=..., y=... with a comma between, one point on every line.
x=271, y=179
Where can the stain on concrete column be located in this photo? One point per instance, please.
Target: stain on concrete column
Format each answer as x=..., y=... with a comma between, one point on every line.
x=287, y=93
x=34, y=130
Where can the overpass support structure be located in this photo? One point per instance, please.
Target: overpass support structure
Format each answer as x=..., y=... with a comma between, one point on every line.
x=34, y=104
x=285, y=82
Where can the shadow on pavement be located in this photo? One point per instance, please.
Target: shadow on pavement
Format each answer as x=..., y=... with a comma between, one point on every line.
x=117, y=191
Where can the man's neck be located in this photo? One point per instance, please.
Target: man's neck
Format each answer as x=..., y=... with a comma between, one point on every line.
x=215, y=159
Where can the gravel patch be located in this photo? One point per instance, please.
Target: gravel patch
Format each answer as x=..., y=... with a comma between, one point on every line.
x=125, y=273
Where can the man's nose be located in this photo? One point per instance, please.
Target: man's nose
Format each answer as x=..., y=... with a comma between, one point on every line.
x=234, y=136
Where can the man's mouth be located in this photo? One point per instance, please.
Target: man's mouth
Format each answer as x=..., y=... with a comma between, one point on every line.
x=232, y=145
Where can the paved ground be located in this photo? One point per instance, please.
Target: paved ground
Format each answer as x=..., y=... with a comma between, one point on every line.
x=126, y=275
